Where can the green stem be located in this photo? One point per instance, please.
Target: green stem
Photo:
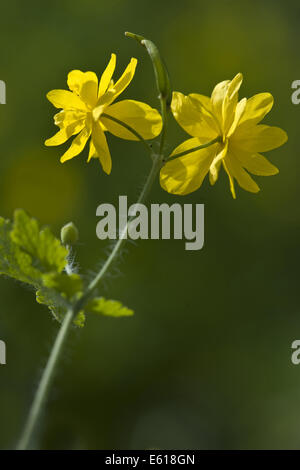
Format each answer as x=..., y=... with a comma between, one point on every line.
x=164, y=113
x=49, y=371
x=156, y=165
x=194, y=149
x=45, y=382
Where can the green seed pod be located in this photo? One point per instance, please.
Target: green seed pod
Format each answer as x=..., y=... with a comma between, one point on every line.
x=69, y=234
x=160, y=69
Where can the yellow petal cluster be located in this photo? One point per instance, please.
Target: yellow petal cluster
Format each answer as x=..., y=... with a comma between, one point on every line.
x=85, y=105
x=242, y=139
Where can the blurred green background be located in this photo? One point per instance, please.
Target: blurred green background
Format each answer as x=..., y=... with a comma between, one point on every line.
x=205, y=361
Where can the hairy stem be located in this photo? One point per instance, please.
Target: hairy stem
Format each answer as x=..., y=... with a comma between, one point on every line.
x=49, y=371
x=45, y=383
x=123, y=236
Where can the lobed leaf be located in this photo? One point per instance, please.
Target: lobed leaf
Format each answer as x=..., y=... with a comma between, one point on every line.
x=69, y=286
x=13, y=261
x=112, y=308
x=46, y=251
x=58, y=305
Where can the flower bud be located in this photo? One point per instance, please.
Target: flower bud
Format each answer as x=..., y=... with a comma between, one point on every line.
x=69, y=234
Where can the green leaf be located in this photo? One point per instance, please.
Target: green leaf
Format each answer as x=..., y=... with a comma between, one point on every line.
x=55, y=304
x=13, y=261
x=79, y=320
x=112, y=308
x=68, y=285
x=46, y=251
x=60, y=291
x=26, y=252
x=58, y=306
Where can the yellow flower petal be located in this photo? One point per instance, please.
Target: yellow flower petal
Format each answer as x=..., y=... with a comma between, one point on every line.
x=99, y=148
x=236, y=171
x=258, y=138
x=193, y=118
x=107, y=75
x=204, y=106
x=230, y=102
x=141, y=117
x=216, y=163
x=65, y=118
x=257, y=107
x=224, y=100
x=92, y=151
x=114, y=91
x=231, y=180
x=77, y=145
x=217, y=98
x=238, y=115
x=65, y=133
x=125, y=79
x=204, y=101
x=256, y=164
x=85, y=85
x=66, y=99
x=103, y=102
x=185, y=174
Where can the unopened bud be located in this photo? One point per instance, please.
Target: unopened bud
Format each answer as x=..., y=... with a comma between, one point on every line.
x=69, y=234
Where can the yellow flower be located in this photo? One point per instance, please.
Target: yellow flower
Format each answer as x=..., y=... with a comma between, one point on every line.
x=84, y=109
x=241, y=139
